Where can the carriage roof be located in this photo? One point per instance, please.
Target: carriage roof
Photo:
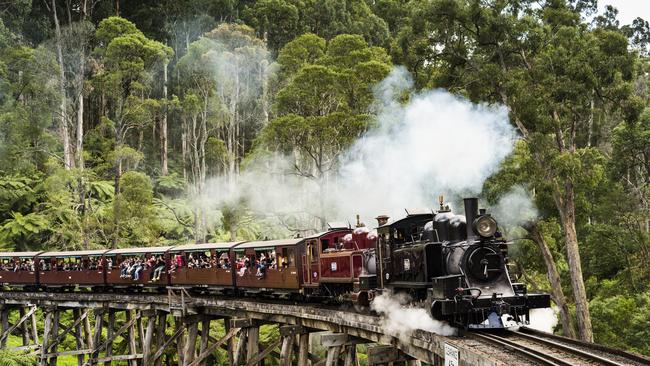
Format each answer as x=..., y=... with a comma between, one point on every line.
x=205, y=246
x=262, y=244
x=74, y=253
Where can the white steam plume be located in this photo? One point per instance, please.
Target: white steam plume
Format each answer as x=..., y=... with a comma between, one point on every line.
x=434, y=144
x=515, y=208
x=437, y=143
x=544, y=319
x=400, y=320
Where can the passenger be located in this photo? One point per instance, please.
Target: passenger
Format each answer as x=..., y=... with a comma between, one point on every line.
x=191, y=263
x=138, y=267
x=245, y=264
x=204, y=262
x=124, y=268
x=261, y=270
x=109, y=263
x=179, y=261
x=223, y=263
x=151, y=262
x=157, y=269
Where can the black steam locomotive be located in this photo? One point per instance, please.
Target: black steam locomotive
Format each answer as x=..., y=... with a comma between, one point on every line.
x=453, y=264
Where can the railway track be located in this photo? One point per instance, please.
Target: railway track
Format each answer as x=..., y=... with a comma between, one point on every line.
x=551, y=350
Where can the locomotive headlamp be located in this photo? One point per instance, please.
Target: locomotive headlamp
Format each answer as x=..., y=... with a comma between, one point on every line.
x=485, y=226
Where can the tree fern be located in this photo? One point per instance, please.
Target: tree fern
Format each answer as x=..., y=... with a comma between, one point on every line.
x=15, y=358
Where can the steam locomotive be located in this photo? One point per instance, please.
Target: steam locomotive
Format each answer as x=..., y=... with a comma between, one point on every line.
x=454, y=265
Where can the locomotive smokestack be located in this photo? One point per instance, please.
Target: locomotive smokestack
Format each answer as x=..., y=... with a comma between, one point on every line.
x=471, y=213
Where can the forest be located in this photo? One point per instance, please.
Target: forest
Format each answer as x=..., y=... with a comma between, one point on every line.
x=155, y=122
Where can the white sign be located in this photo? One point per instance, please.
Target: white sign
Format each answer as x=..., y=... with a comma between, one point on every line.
x=334, y=266
x=451, y=355
x=407, y=264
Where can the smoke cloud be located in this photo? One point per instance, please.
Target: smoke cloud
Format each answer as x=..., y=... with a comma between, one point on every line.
x=544, y=319
x=400, y=320
x=515, y=208
x=435, y=144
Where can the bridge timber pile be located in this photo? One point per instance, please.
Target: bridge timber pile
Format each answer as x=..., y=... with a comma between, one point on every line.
x=148, y=315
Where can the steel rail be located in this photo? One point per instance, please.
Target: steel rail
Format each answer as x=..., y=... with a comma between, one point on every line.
x=534, y=354
x=614, y=351
x=567, y=348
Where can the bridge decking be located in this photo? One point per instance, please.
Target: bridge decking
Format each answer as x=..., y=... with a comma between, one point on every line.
x=355, y=327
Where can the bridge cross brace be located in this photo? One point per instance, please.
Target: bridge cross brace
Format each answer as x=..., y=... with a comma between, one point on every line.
x=155, y=333
x=25, y=326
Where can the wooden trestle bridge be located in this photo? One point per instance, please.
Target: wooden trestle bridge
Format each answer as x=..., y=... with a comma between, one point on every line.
x=147, y=316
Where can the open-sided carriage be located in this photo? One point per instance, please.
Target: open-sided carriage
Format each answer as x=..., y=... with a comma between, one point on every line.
x=120, y=272
x=18, y=269
x=71, y=268
x=203, y=265
x=269, y=265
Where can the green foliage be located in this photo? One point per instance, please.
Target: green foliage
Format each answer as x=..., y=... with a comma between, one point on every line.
x=622, y=321
x=133, y=211
x=577, y=92
x=23, y=228
x=11, y=358
x=280, y=21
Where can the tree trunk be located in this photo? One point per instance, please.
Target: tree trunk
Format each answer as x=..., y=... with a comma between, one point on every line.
x=163, y=126
x=265, y=90
x=184, y=153
x=80, y=124
x=566, y=206
x=63, y=124
x=80, y=134
x=554, y=278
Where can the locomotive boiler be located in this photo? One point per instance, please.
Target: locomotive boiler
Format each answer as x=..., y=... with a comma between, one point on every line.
x=455, y=266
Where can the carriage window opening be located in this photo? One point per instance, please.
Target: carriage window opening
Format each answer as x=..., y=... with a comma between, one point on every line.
x=22, y=264
x=133, y=266
x=314, y=251
x=325, y=243
x=93, y=263
x=223, y=260
x=292, y=257
x=65, y=264
x=200, y=260
x=287, y=258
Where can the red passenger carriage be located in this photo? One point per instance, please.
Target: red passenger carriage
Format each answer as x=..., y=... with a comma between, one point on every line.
x=203, y=265
x=71, y=268
x=122, y=267
x=269, y=265
x=18, y=268
x=335, y=259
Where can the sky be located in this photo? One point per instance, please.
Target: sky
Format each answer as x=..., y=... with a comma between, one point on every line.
x=628, y=10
